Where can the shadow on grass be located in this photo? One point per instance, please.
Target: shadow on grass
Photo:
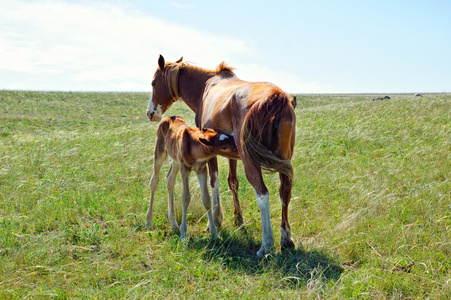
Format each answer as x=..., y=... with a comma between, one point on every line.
x=237, y=251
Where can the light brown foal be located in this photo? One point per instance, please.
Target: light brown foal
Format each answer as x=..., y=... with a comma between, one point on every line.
x=190, y=148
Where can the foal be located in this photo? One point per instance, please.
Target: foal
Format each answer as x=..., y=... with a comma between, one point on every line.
x=190, y=148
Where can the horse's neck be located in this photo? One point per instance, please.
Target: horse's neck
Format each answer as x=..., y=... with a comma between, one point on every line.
x=192, y=85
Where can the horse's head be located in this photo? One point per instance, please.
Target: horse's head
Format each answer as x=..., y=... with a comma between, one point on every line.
x=164, y=89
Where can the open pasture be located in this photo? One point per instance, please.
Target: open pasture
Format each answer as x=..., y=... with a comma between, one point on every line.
x=370, y=211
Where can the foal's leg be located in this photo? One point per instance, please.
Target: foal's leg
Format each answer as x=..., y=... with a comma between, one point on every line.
x=186, y=197
x=254, y=176
x=214, y=183
x=172, y=176
x=202, y=177
x=286, y=242
x=159, y=158
x=234, y=185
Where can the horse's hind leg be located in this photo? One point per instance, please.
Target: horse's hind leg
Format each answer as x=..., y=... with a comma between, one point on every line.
x=159, y=158
x=172, y=176
x=286, y=242
x=234, y=185
x=186, y=198
x=202, y=177
x=255, y=178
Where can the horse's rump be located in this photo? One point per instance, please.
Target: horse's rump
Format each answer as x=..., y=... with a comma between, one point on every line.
x=261, y=135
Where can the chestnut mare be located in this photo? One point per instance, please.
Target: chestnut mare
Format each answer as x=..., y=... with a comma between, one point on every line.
x=259, y=115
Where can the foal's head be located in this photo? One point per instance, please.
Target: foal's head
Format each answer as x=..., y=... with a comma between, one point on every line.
x=164, y=88
x=221, y=143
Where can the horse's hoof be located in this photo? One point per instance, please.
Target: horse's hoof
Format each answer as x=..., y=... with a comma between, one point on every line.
x=286, y=245
x=238, y=220
x=264, y=250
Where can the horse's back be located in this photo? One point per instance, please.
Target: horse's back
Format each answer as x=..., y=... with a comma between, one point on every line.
x=227, y=101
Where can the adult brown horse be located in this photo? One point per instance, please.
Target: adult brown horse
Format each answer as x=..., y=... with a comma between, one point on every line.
x=259, y=115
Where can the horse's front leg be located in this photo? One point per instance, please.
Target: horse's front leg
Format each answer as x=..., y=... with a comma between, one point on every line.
x=214, y=183
x=286, y=242
x=255, y=178
x=234, y=185
x=206, y=200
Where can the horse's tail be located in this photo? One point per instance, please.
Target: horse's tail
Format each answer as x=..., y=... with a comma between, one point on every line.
x=268, y=126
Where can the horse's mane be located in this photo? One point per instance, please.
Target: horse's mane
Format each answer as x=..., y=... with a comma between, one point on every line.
x=172, y=70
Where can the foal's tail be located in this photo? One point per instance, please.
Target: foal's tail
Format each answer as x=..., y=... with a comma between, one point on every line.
x=267, y=134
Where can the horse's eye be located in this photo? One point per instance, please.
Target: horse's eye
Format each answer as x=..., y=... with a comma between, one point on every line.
x=153, y=82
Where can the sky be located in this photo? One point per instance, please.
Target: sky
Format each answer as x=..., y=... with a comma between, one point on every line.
x=321, y=46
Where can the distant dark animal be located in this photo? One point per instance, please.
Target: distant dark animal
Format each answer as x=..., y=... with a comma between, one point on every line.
x=382, y=98
x=190, y=148
x=418, y=95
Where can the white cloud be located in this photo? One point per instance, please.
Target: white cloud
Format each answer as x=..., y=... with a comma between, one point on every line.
x=99, y=46
x=99, y=42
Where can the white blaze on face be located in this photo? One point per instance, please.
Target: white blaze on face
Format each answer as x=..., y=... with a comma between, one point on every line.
x=151, y=108
x=157, y=112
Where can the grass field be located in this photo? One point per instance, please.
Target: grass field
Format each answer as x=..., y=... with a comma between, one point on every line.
x=370, y=210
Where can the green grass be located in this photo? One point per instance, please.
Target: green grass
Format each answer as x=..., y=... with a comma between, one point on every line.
x=370, y=210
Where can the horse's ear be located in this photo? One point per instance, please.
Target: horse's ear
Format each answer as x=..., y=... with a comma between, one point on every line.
x=161, y=62
x=180, y=60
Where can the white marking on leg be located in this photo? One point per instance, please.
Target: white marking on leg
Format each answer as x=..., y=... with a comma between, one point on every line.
x=268, y=239
x=285, y=234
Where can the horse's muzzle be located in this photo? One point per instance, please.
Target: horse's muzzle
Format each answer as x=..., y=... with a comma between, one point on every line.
x=150, y=115
x=153, y=116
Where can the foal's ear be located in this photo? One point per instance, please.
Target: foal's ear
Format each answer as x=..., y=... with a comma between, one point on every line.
x=161, y=62
x=180, y=60
x=208, y=131
x=209, y=137
x=205, y=142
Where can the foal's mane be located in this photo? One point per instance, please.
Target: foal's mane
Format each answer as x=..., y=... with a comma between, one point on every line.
x=171, y=74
